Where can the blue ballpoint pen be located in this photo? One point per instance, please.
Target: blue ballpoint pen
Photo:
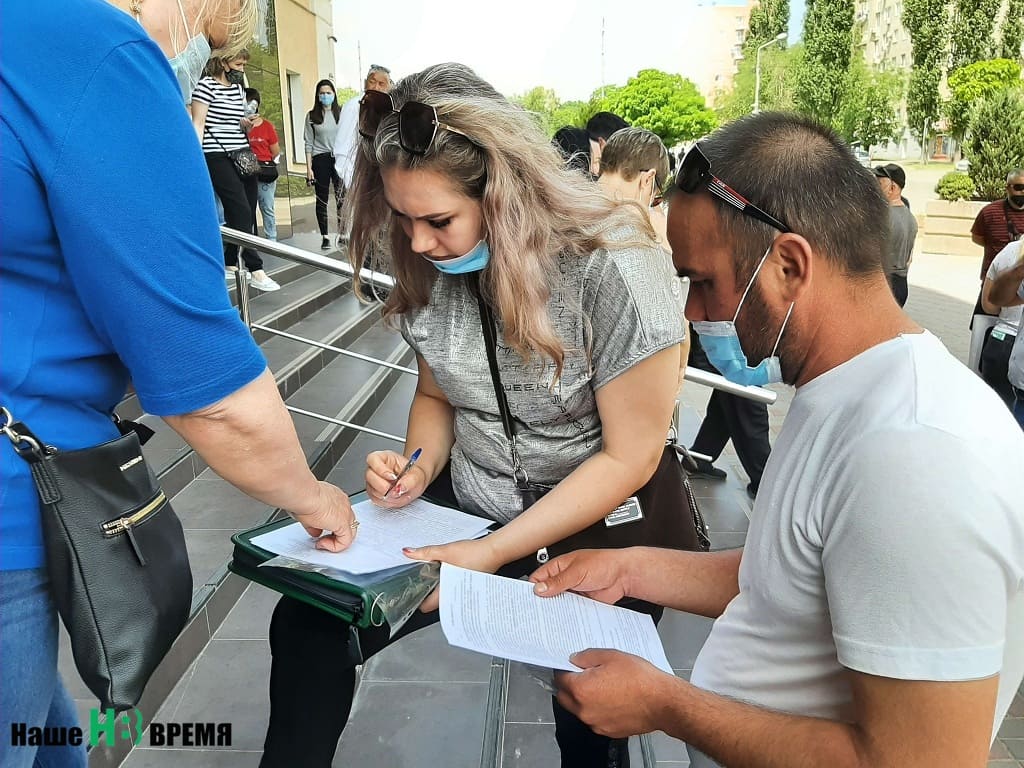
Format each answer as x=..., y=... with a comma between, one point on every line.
x=412, y=460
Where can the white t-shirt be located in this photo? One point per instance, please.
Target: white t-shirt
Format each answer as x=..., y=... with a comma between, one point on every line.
x=1009, y=317
x=887, y=537
x=346, y=141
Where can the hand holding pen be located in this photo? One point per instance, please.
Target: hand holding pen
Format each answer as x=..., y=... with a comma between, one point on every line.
x=389, y=479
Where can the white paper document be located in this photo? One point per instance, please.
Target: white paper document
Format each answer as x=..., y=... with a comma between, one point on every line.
x=502, y=617
x=382, y=534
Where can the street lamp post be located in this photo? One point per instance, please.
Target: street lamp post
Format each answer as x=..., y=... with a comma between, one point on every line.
x=757, y=68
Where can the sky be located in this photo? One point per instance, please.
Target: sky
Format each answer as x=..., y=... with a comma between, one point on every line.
x=524, y=43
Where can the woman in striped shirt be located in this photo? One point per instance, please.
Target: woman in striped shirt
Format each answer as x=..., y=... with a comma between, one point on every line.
x=218, y=114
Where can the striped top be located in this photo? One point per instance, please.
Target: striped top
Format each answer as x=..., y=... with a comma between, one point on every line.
x=226, y=107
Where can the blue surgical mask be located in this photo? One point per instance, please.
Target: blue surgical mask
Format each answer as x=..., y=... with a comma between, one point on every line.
x=188, y=65
x=474, y=261
x=327, y=99
x=722, y=346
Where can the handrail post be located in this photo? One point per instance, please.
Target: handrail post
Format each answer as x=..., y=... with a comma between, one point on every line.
x=242, y=284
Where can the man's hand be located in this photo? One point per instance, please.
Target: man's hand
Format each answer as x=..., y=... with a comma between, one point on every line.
x=602, y=574
x=332, y=511
x=616, y=694
x=473, y=554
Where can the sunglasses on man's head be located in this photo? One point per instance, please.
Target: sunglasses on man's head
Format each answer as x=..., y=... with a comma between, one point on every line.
x=695, y=173
x=417, y=122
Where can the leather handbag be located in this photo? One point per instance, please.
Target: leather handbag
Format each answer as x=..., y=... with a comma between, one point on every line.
x=245, y=161
x=116, y=557
x=669, y=516
x=268, y=172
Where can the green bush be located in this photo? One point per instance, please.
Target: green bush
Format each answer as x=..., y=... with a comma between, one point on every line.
x=996, y=141
x=955, y=186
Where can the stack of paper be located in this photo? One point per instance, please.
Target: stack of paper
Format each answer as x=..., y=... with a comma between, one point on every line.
x=381, y=536
x=503, y=617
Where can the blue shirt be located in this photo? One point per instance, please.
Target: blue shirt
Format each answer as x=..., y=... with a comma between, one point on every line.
x=111, y=262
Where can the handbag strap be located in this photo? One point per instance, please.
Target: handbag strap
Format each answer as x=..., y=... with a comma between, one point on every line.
x=488, y=326
x=29, y=447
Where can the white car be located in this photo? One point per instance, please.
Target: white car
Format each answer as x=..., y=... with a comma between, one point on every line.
x=963, y=166
x=862, y=156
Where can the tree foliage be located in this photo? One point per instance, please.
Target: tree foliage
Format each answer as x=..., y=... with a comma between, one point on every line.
x=779, y=67
x=968, y=84
x=828, y=41
x=971, y=31
x=995, y=142
x=665, y=104
x=927, y=23
x=1013, y=31
x=767, y=19
x=868, y=109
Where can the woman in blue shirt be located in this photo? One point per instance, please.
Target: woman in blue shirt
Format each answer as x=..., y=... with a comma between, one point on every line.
x=104, y=280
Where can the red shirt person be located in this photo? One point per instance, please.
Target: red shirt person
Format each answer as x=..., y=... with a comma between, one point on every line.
x=1001, y=222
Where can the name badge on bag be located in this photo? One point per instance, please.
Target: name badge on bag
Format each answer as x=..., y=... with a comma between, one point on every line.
x=628, y=512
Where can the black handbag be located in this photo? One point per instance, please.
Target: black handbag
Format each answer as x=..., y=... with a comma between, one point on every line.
x=116, y=557
x=268, y=172
x=669, y=514
x=244, y=159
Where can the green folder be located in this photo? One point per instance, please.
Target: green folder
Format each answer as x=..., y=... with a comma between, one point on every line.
x=364, y=601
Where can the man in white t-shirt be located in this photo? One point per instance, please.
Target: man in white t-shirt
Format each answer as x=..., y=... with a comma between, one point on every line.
x=995, y=354
x=875, y=617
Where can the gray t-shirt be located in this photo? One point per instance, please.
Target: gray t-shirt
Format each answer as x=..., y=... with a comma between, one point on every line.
x=624, y=305
x=902, y=233
x=319, y=139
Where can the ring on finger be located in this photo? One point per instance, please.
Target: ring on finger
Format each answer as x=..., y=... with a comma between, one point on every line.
x=354, y=524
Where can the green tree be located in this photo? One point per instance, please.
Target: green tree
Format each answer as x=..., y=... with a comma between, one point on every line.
x=971, y=31
x=868, y=113
x=542, y=102
x=1013, y=31
x=778, y=82
x=927, y=23
x=668, y=105
x=767, y=19
x=995, y=142
x=828, y=42
x=968, y=84
x=344, y=94
x=570, y=113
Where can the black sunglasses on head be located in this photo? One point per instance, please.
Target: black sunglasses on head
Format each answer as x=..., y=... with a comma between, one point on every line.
x=1016, y=187
x=417, y=122
x=695, y=173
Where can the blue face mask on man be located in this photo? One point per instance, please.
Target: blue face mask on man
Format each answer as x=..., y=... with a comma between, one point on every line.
x=474, y=261
x=722, y=346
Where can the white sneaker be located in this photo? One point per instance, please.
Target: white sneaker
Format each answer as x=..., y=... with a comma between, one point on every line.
x=263, y=282
x=230, y=274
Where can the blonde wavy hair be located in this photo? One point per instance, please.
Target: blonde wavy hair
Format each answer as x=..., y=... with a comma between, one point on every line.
x=241, y=23
x=533, y=207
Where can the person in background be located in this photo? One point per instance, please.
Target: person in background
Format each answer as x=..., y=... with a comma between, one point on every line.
x=346, y=142
x=104, y=280
x=995, y=354
x=319, y=135
x=1007, y=290
x=635, y=166
x=218, y=115
x=574, y=145
x=899, y=251
x=998, y=224
x=265, y=145
x=873, y=616
x=600, y=128
x=475, y=198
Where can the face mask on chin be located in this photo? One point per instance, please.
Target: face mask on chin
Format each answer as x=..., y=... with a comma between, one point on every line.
x=1017, y=201
x=722, y=346
x=473, y=261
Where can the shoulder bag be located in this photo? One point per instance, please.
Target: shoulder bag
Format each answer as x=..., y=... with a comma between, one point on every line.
x=663, y=513
x=115, y=553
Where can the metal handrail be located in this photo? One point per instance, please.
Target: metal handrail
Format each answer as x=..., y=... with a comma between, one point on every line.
x=381, y=280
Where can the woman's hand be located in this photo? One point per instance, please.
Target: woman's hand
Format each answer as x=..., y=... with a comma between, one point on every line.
x=382, y=468
x=332, y=511
x=247, y=123
x=473, y=554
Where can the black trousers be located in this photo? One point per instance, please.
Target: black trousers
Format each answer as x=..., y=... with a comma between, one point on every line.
x=743, y=421
x=995, y=366
x=324, y=176
x=312, y=683
x=239, y=198
x=900, y=290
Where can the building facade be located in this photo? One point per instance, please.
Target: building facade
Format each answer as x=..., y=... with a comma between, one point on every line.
x=717, y=32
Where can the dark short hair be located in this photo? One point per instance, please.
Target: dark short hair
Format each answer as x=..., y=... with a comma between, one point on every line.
x=604, y=124
x=805, y=175
x=251, y=94
x=574, y=144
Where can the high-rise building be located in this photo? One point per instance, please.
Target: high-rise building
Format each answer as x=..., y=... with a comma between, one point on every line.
x=885, y=41
x=716, y=31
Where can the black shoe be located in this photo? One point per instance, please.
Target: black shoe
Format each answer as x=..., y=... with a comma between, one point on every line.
x=708, y=470
x=752, y=491
x=325, y=244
